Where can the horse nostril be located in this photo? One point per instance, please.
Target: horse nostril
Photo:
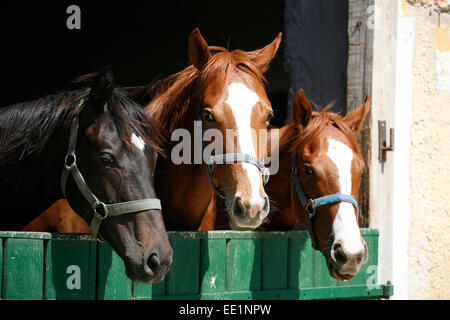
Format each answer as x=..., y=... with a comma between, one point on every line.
x=266, y=207
x=339, y=254
x=238, y=210
x=153, y=262
x=359, y=257
x=362, y=255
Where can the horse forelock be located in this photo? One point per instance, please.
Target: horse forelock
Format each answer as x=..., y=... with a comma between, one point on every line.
x=27, y=127
x=172, y=104
x=297, y=136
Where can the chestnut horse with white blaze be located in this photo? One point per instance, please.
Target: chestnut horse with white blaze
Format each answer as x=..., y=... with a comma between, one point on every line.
x=223, y=91
x=318, y=181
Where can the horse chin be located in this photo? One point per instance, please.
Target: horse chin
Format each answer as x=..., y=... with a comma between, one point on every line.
x=235, y=226
x=342, y=277
x=335, y=273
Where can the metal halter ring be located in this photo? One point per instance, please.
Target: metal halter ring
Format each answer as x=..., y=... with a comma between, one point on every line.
x=70, y=161
x=310, y=210
x=104, y=209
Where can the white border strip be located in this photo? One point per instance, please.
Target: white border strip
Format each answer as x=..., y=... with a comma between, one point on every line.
x=406, y=28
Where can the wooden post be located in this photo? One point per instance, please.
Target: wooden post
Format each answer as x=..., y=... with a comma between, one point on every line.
x=359, y=83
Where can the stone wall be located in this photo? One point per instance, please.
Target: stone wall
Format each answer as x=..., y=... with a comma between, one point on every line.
x=429, y=254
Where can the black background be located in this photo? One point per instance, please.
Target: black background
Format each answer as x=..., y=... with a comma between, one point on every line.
x=144, y=39
x=139, y=39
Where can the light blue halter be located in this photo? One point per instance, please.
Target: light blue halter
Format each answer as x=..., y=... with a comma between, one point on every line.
x=310, y=205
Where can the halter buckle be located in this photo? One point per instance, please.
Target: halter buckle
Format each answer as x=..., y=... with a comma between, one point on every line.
x=104, y=211
x=310, y=209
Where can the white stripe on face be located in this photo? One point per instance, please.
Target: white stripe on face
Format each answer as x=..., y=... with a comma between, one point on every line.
x=138, y=142
x=241, y=101
x=345, y=226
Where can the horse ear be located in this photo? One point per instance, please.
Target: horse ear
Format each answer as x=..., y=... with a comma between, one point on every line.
x=302, y=109
x=198, y=50
x=102, y=88
x=355, y=118
x=264, y=56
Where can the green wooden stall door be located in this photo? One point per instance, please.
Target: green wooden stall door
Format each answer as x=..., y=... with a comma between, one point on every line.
x=112, y=283
x=23, y=268
x=70, y=270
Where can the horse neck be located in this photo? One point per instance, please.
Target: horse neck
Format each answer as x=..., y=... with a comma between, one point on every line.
x=279, y=188
x=184, y=189
x=185, y=193
x=32, y=185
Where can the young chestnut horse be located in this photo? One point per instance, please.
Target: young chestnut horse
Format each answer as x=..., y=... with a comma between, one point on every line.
x=225, y=90
x=320, y=157
x=106, y=144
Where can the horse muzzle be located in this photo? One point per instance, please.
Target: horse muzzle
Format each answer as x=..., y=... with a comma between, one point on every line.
x=344, y=265
x=151, y=268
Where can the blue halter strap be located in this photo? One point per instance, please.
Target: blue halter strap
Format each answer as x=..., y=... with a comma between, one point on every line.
x=310, y=205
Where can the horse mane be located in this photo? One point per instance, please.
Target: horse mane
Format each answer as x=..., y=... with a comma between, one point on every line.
x=296, y=136
x=26, y=127
x=171, y=104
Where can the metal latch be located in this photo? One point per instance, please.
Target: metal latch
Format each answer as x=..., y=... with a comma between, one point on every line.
x=382, y=143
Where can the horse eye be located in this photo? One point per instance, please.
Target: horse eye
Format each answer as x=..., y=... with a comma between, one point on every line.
x=209, y=117
x=108, y=160
x=308, y=170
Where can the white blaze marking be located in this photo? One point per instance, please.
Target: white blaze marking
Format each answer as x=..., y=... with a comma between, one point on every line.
x=345, y=226
x=242, y=100
x=138, y=142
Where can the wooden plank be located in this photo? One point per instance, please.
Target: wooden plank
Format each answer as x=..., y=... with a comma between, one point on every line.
x=300, y=263
x=25, y=235
x=274, y=264
x=322, y=276
x=183, y=277
x=232, y=235
x=351, y=292
x=70, y=270
x=142, y=291
x=258, y=267
x=359, y=83
x=23, y=268
x=243, y=265
x=112, y=283
x=213, y=265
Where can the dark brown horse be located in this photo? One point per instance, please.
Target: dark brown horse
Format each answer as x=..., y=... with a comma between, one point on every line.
x=318, y=151
x=107, y=146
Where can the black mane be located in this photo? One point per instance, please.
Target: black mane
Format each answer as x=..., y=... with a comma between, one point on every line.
x=25, y=128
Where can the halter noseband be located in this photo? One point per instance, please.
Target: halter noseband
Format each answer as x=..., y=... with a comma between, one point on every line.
x=229, y=158
x=101, y=210
x=310, y=205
